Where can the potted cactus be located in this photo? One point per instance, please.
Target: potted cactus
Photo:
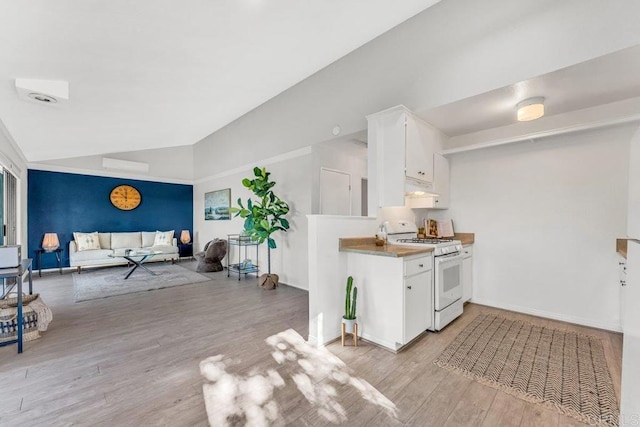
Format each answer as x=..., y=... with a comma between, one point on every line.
x=349, y=318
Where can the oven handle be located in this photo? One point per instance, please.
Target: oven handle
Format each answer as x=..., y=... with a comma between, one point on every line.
x=447, y=258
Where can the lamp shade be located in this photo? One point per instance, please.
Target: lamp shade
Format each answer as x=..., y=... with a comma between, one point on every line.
x=50, y=242
x=185, y=237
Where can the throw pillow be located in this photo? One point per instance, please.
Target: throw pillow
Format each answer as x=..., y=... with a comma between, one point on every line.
x=163, y=238
x=87, y=241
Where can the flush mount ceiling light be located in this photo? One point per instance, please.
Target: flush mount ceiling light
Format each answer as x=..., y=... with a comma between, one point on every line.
x=530, y=109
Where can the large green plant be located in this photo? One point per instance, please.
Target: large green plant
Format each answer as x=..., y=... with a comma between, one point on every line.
x=264, y=216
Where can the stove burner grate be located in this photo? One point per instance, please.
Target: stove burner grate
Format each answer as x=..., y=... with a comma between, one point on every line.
x=425, y=241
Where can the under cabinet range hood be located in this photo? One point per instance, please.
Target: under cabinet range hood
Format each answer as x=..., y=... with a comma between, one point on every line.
x=418, y=189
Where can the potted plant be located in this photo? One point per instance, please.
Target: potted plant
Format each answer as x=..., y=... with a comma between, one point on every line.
x=263, y=217
x=349, y=318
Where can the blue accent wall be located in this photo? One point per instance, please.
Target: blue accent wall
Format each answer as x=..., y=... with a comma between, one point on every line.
x=64, y=203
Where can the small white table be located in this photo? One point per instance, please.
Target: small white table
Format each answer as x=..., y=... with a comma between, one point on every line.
x=137, y=258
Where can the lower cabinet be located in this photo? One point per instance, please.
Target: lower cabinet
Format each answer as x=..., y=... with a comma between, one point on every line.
x=622, y=265
x=467, y=273
x=417, y=299
x=394, y=297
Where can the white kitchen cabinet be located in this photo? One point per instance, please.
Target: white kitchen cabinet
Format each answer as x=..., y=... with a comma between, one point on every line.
x=467, y=273
x=440, y=187
x=417, y=297
x=400, y=156
x=419, y=139
x=622, y=265
x=389, y=312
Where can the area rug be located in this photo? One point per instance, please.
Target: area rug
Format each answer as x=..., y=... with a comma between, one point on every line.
x=109, y=282
x=551, y=367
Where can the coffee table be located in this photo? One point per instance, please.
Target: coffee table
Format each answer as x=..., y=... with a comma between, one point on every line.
x=137, y=258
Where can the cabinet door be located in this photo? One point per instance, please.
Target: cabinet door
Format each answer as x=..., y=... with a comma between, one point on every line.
x=417, y=305
x=630, y=399
x=467, y=278
x=419, y=150
x=440, y=181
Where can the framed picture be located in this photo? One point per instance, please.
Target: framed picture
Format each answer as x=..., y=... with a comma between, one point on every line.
x=217, y=205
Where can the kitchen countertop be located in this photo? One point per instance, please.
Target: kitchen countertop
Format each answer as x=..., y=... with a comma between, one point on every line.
x=621, y=247
x=367, y=245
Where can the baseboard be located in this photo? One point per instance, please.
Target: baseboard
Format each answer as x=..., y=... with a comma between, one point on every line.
x=550, y=315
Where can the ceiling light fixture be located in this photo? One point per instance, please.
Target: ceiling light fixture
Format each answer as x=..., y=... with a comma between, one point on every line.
x=530, y=109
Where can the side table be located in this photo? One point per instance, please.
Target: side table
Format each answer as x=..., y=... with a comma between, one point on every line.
x=56, y=252
x=18, y=274
x=185, y=250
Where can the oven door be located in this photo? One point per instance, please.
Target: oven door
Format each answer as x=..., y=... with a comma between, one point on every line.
x=448, y=280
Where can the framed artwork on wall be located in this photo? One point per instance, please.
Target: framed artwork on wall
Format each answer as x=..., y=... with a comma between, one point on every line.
x=217, y=205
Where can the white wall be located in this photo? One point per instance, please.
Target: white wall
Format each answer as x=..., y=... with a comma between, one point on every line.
x=546, y=216
x=174, y=164
x=293, y=185
x=342, y=160
x=328, y=271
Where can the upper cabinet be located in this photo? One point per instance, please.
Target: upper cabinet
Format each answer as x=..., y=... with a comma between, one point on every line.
x=401, y=156
x=440, y=199
x=419, y=140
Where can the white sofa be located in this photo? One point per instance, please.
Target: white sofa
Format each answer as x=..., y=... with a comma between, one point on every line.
x=117, y=243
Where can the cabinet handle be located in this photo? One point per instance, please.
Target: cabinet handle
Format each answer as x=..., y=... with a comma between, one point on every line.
x=421, y=265
x=623, y=283
x=409, y=287
x=437, y=200
x=621, y=263
x=466, y=252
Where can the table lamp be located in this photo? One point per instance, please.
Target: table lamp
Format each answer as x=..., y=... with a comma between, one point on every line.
x=50, y=242
x=185, y=237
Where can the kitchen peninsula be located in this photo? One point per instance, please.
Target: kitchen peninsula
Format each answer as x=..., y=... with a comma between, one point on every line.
x=399, y=299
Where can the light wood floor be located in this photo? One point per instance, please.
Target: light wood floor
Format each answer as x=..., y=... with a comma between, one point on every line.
x=134, y=360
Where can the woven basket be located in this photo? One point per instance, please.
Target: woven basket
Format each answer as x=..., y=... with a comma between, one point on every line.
x=9, y=324
x=13, y=302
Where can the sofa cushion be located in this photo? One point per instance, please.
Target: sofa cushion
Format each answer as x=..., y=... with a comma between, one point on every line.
x=87, y=241
x=105, y=240
x=163, y=238
x=92, y=255
x=147, y=238
x=126, y=240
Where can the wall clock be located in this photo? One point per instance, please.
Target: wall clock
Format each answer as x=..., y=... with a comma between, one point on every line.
x=125, y=197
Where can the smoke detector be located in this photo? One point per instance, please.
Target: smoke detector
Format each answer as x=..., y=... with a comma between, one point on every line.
x=49, y=92
x=42, y=97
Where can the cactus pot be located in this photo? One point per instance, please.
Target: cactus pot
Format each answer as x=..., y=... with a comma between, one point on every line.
x=348, y=324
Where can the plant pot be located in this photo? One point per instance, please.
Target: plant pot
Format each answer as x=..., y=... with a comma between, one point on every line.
x=349, y=325
x=269, y=281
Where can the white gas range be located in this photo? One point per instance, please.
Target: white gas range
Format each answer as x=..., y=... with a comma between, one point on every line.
x=447, y=272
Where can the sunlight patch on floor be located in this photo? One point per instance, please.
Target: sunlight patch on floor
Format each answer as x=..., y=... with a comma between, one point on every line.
x=252, y=399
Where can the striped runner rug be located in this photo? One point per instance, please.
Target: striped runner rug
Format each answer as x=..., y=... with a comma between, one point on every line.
x=552, y=367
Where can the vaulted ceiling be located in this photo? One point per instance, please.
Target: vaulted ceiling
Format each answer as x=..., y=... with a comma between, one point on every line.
x=151, y=74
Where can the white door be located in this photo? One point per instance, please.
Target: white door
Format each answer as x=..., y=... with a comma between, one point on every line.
x=335, y=192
